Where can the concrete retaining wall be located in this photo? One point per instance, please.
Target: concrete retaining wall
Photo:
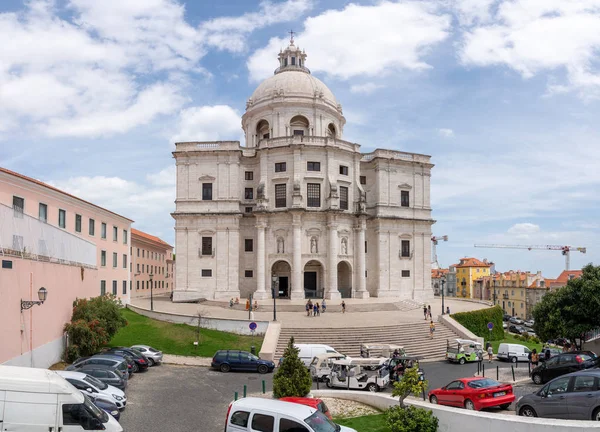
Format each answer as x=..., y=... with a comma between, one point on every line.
x=458, y=328
x=456, y=419
x=269, y=346
x=228, y=325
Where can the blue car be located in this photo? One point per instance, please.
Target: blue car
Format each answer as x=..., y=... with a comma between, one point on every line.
x=108, y=406
x=234, y=360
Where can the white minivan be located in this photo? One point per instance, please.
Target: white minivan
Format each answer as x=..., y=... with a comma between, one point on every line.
x=93, y=387
x=257, y=414
x=308, y=351
x=39, y=400
x=513, y=352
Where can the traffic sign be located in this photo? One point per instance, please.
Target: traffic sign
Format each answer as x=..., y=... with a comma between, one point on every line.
x=490, y=326
x=252, y=326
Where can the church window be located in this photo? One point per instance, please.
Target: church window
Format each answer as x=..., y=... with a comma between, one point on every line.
x=406, y=273
x=249, y=273
x=285, y=61
x=293, y=61
x=313, y=166
x=248, y=245
x=206, y=272
x=207, y=248
x=249, y=193
x=280, y=196
x=298, y=132
x=363, y=180
x=343, y=170
x=313, y=194
x=331, y=130
x=248, y=209
x=207, y=191
x=405, y=248
x=249, y=175
x=343, y=198
x=404, y=199
x=280, y=167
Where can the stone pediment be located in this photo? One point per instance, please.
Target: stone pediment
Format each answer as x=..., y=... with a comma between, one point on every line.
x=280, y=232
x=207, y=233
x=207, y=178
x=313, y=232
x=405, y=236
x=343, y=233
x=404, y=186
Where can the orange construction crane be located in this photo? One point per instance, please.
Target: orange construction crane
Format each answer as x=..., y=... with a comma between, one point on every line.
x=565, y=250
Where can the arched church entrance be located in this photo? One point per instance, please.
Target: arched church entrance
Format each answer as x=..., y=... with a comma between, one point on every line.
x=313, y=277
x=281, y=275
x=344, y=274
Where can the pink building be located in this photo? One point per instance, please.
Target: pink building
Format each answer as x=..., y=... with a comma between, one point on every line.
x=150, y=256
x=69, y=246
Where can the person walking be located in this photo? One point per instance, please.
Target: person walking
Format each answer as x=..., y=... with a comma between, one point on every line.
x=318, y=309
x=343, y=306
x=323, y=306
x=310, y=307
x=315, y=309
x=431, y=329
x=490, y=351
x=547, y=354
x=429, y=311
x=447, y=310
x=535, y=357
x=231, y=302
x=424, y=312
x=307, y=307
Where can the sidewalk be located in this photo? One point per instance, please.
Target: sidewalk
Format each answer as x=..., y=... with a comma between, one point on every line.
x=505, y=374
x=186, y=360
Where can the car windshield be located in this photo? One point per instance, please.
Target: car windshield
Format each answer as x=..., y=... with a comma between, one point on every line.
x=252, y=357
x=314, y=361
x=320, y=423
x=95, y=382
x=483, y=383
x=94, y=410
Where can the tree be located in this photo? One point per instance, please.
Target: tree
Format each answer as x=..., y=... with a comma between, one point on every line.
x=292, y=378
x=409, y=384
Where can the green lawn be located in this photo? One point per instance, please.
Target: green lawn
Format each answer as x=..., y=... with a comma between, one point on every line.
x=369, y=423
x=510, y=338
x=179, y=338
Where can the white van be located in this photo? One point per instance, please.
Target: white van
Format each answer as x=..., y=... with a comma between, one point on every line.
x=41, y=400
x=308, y=351
x=257, y=414
x=513, y=352
x=93, y=387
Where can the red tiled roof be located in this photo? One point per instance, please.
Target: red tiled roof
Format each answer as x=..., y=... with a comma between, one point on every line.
x=436, y=273
x=471, y=262
x=566, y=275
x=32, y=180
x=149, y=237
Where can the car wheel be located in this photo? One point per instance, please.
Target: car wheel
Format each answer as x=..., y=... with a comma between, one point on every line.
x=136, y=367
x=469, y=405
x=328, y=382
x=225, y=367
x=462, y=361
x=537, y=378
x=263, y=369
x=433, y=400
x=513, y=359
x=527, y=411
x=373, y=388
x=150, y=362
x=596, y=415
x=505, y=406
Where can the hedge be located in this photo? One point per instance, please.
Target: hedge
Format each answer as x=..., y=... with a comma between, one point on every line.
x=477, y=321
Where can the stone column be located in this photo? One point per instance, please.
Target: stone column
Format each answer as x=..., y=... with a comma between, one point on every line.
x=260, y=293
x=297, y=282
x=361, y=261
x=332, y=281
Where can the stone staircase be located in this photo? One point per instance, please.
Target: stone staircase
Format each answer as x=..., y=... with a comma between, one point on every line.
x=413, y=336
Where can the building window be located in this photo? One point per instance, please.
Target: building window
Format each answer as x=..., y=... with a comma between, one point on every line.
x=249, y=175
x=18, y=207
x=512, y=293
x=115, y=233
x=404, y=199
x=405, y=273
x=143, y=285
x=298, y=132
x=125, y=238
x=343, y=170
x=207, y=248
x=293, y=61
x=62, y=218
x=406, y=248
x=207, y=191
x=43, y=212
x=313, y=166
x=77, y=223
x=143, y=253
x=249, y=273
x=124, y=261
x=248, y=193
x=103, y=230
x=103, y=258
x=248, y=209
x=280, y=196
x=280, y=167
x=115, y=258
x=206, y=272
x=124, y=287
x=363, y=180
x=114, y=288
x=138, y=252
x=102, y=287
x=343, y=198
x=137, y=285
x=365, y=246
x=17, y=243
x=313, y=195
x=248, y=245
x=138, y=267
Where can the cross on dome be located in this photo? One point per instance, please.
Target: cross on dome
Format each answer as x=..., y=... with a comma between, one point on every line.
x=292, y=33
x=292, y=58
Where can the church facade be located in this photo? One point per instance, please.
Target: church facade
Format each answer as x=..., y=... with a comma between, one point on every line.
x=297, y=209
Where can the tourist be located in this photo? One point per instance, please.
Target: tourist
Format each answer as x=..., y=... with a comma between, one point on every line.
x=535, y=357
x=255, y=305
x=429, y=311
x=431, y=329
x=310, y=307
x=315, y=309
x=247, y=304
x=424, y=312
x=343, y=306
x=447, y=310
x=237, y=300
x=323, y=306
x=231, y=302
x=307, y=307
x=490, y=351
x=318, y=309
x=547, y=354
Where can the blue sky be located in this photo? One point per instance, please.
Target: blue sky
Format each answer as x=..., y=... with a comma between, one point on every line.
x=503, y=94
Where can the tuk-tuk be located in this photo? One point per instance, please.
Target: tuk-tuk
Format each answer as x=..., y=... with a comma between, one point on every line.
x=380, y=350
x=348, y=375
x=320, y=366
x=397, y=365
x=463, y=350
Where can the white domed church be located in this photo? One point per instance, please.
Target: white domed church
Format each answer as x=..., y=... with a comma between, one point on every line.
x=297, y=209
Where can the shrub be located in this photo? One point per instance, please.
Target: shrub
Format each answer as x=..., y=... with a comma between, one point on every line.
x=477, y=321
x=535, y=339
x=411, y=419
x=525, y=337
x=292, y=377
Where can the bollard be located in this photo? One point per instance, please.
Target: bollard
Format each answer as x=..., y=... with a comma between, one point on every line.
x=348, y=383
x=423, y=391
x=317, y=383
x=497, y=373
x=529, y=368
x=483, y=370
x=244, y=390
x=513, y=372
x=235, y=395
x=477, y=368
x=517, y=364
x=264, y=386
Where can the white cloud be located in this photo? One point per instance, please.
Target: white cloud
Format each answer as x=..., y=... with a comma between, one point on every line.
x=165, y=177
x=470, y=11
x=366, y=88
x=525, y=229
x=533, y=36
x=446, y=133
x=362, y=40
x=208, y=123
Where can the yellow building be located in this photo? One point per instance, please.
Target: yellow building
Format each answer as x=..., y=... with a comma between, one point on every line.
x=468, y=270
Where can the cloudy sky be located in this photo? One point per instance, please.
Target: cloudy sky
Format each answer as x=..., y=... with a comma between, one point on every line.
x=504, y=94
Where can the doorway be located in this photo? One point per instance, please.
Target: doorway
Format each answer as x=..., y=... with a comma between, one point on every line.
x=310, y=284
x=282, y=271
x=284, y=288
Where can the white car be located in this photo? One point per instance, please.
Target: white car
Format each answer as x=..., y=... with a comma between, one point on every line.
x=93, y=387
x=154, y=356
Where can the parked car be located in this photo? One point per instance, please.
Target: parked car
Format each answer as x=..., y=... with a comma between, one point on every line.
x=107, y=374
x=506, y=317
x=573, y=396
x=228, y=360
x=308, y=351
x=474, y=393
x=94, y=387
x=563, y=364
x=553, y=353
x=115, y=362
x=311, y=402
x=516, y=329
x=248, y=414
x=513, y=352
x=529, y=331
x=504, y=325
x=154, y=356
x=140, y=362
x=107, y=406
x=529, y=323
x=516, y=320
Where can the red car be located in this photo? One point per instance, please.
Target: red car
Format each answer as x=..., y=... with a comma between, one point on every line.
x=311, y=402
x=474, y=394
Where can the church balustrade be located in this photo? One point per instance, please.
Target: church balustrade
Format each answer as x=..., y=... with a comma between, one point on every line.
x=393, y=154
x=308, y=139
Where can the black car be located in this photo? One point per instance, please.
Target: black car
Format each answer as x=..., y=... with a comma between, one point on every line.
x=516, y=329
x=140, y=362
x=228, y=360
x=563, y=364
x=107, y=374
x=506, y=317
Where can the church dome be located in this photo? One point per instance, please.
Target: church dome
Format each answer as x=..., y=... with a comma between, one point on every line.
x=293, y=83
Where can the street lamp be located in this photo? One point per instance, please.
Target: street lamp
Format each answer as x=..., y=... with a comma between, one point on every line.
x=274, y=291
x=443, y=281
x=151, y=291
x=28, y=304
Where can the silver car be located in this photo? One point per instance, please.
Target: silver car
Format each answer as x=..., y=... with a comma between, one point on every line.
x=155, y=357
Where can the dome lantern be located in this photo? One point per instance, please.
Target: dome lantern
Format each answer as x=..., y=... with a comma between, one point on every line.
x=292, y=58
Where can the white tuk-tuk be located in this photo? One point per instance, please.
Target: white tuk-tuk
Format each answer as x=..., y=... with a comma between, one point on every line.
x=380, y=350
x=346, y=374
x=320, y=366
